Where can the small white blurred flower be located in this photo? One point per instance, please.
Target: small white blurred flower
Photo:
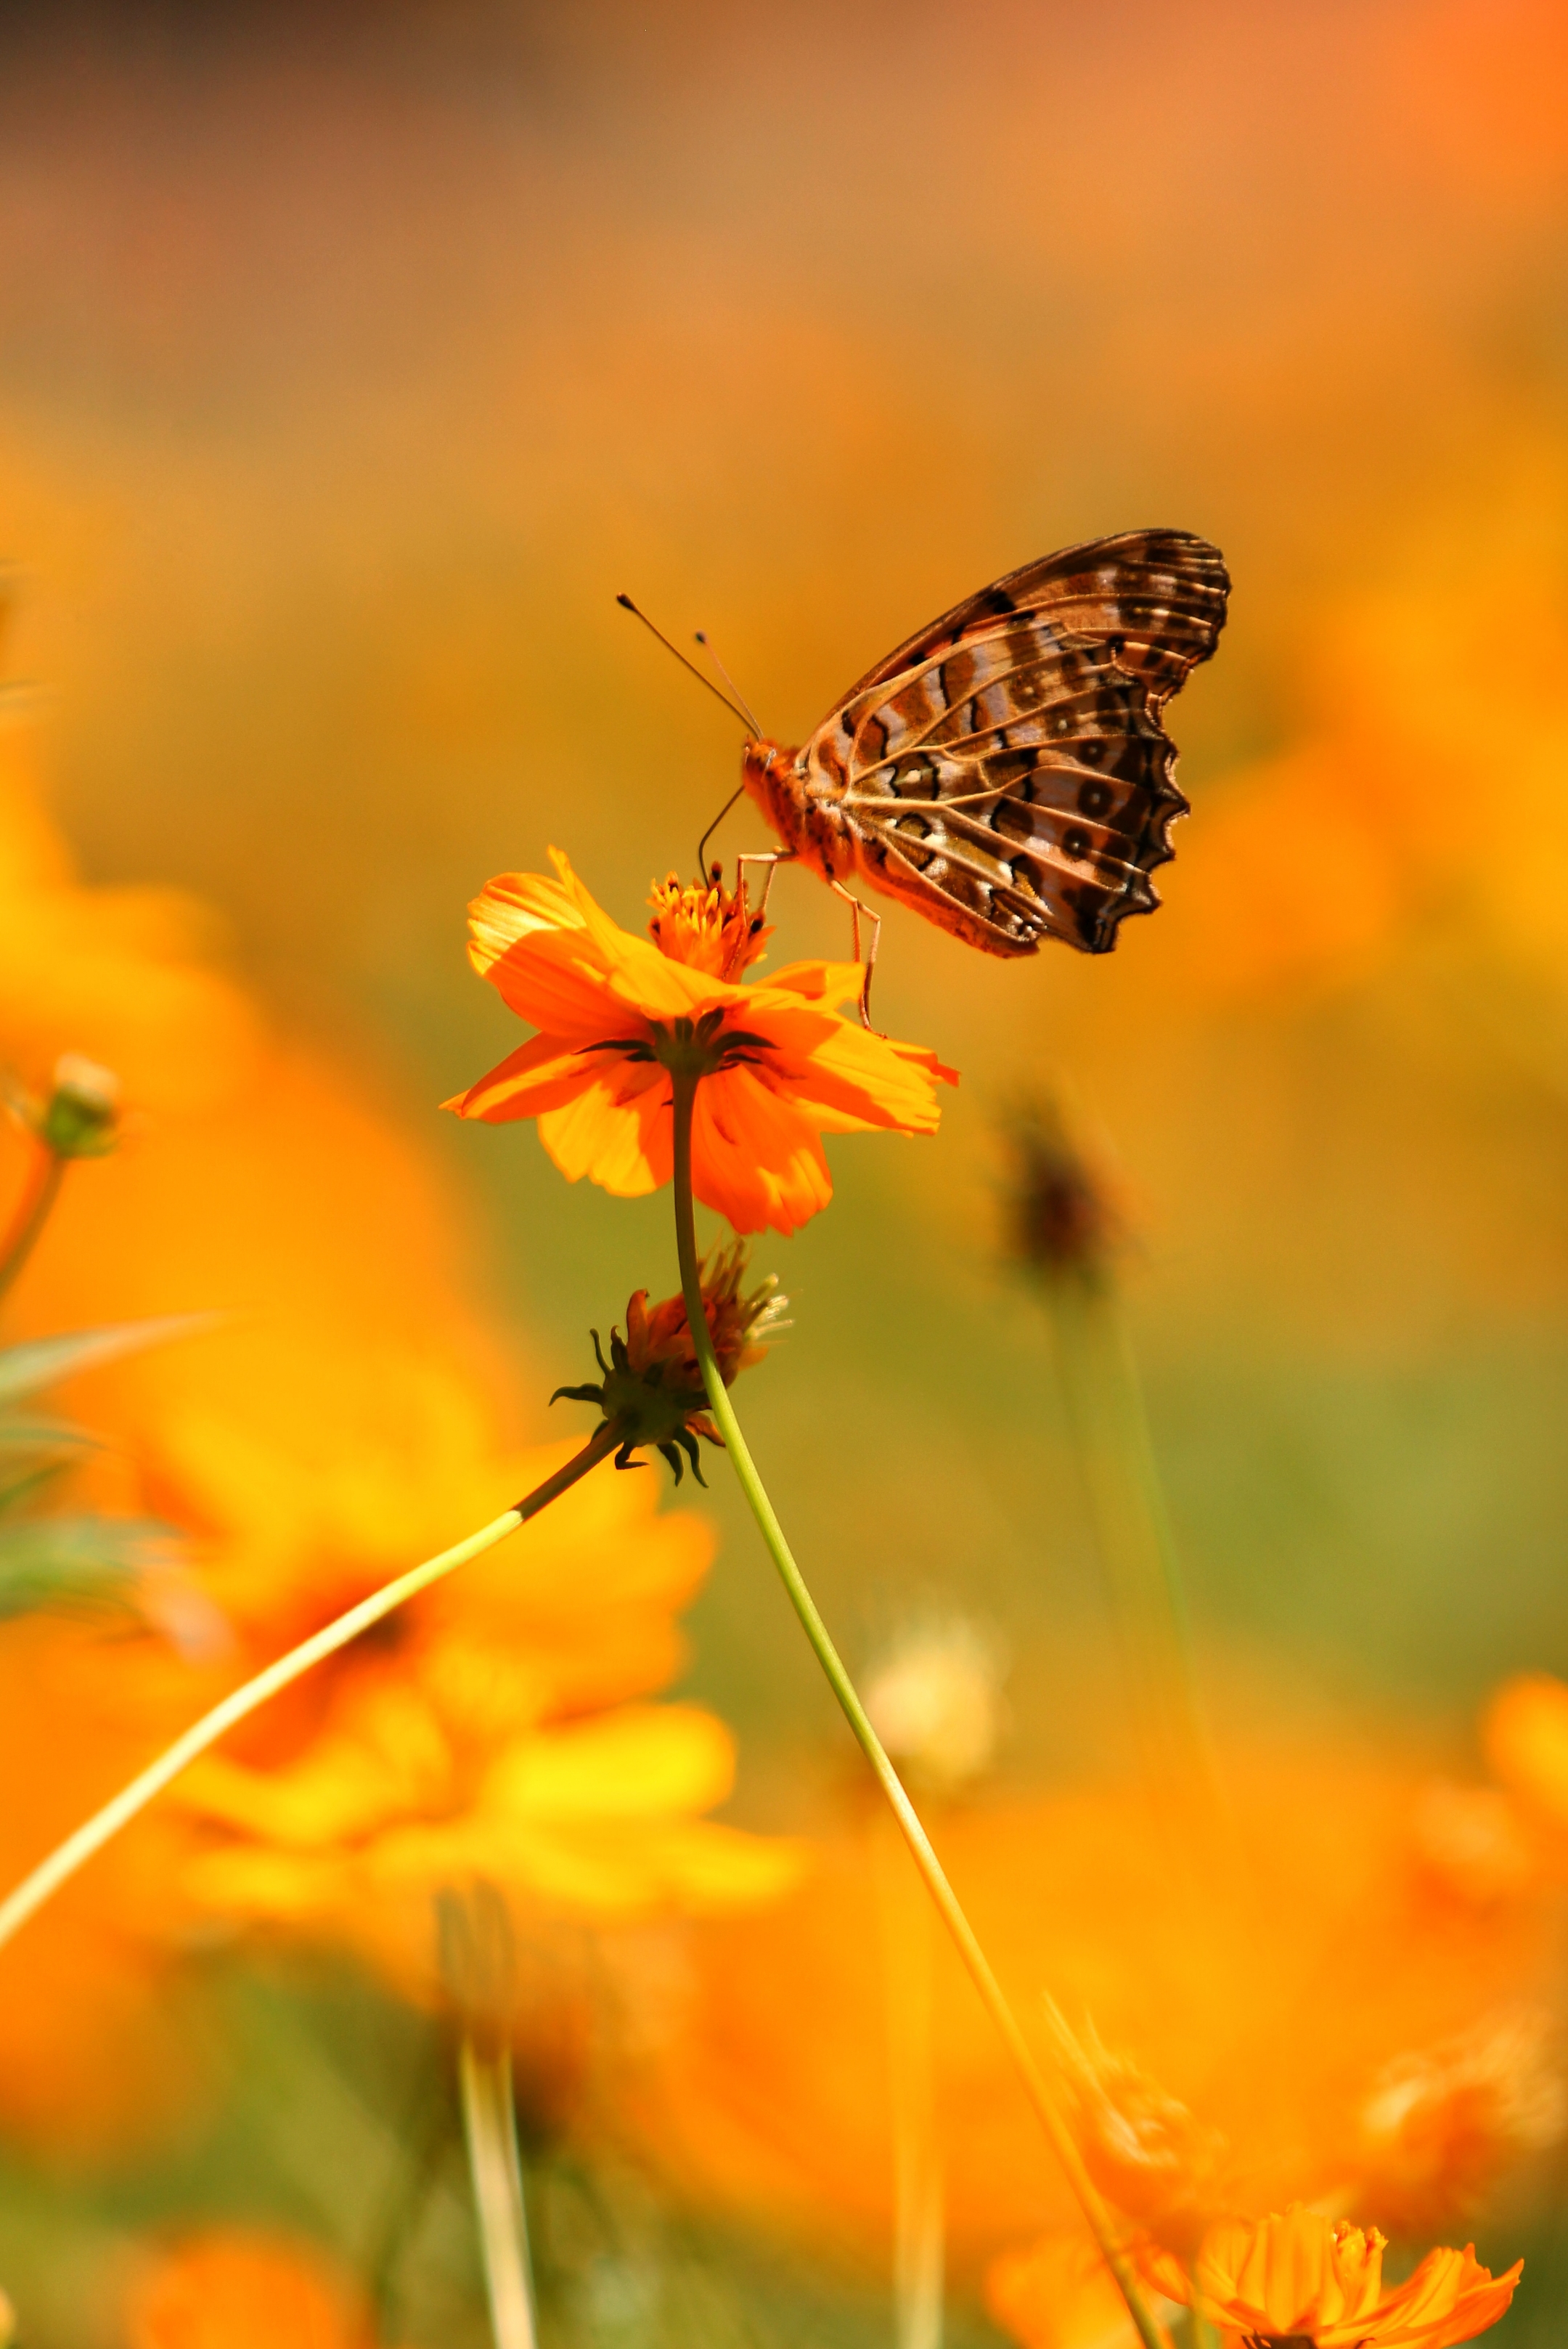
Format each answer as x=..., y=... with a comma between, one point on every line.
x=934, y=1696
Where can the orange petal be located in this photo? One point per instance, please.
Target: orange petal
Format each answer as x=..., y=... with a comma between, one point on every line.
x=1451, y=2298
x=756, y=1156
x=616, y=1130
x=645, y=1761
x=829, y=984
x=850, y=1080
x=638, y=975
x=539, y=1075
x=515, y=905
x=556, y=980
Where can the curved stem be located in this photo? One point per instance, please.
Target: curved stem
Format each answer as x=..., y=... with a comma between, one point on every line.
x=63, y=1862
x=976, y=1964
x=39, y=1192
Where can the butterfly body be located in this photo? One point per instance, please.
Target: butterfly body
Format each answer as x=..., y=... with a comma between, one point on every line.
x=1006, y=771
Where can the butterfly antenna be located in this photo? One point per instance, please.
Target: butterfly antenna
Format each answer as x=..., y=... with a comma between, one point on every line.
x=749, y=722
x=741, y=702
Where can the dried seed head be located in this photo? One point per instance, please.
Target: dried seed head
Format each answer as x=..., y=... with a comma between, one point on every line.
x=652, y=1390
x=1144, y=2149
x=1062, y=1224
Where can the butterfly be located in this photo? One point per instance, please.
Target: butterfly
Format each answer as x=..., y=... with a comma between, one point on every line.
x=1007, y=770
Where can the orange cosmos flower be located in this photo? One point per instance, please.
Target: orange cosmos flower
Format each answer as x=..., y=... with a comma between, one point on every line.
x=1059, y=2294
x=619, y=1015
x=1299, y=2278
x=1525, y=1738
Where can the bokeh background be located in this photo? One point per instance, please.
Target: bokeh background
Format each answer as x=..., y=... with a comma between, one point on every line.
x=354, y=357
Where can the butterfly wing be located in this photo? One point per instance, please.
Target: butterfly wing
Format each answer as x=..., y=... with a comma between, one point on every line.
x=1007, y=770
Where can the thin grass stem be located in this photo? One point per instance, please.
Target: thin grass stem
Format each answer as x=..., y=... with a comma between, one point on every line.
x=1109, y=1427
x=908, y=1930
x=976, y=1964
x=63, y=1862
x=489, y=2124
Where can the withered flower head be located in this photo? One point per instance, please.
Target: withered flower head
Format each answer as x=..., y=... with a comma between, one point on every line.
x=1062, y=1224
x=1441, y=2123
x=705, y=926
x=1144, y=2149
x=652, y=1390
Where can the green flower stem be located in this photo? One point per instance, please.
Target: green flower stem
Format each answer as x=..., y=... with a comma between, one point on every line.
x=39, y=1191
x=1200, y=2332
x=489, y=2124
x=64, y=1861
x=976, y=1963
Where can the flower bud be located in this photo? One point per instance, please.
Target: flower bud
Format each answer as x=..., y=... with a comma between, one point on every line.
x=80, y=1118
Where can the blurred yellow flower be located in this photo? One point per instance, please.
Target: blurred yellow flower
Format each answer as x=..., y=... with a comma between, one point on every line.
x=494, y=1738
x=1147, y=2153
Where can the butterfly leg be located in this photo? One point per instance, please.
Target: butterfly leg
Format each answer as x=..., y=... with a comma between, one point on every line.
x=772, y=858
x=859, y=913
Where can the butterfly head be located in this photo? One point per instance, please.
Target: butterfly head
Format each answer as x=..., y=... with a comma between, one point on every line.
x=769, y=778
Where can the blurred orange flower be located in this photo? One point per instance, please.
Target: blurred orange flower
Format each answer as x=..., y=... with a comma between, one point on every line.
x=1145, y=2151
x=1525, y=1738
x=618, y=1014
x=1220, y=2004
x=1300, y=2277
x=1441, y=2124
x=1059, y=2294
x=232, y=2290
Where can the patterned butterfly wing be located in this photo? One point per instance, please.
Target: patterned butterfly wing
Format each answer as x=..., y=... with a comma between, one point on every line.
x=1006, y=772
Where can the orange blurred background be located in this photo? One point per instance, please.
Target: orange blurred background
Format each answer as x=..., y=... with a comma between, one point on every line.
x=353, y=359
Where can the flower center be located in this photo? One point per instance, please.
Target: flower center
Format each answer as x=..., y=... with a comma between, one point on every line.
x=705, y=926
